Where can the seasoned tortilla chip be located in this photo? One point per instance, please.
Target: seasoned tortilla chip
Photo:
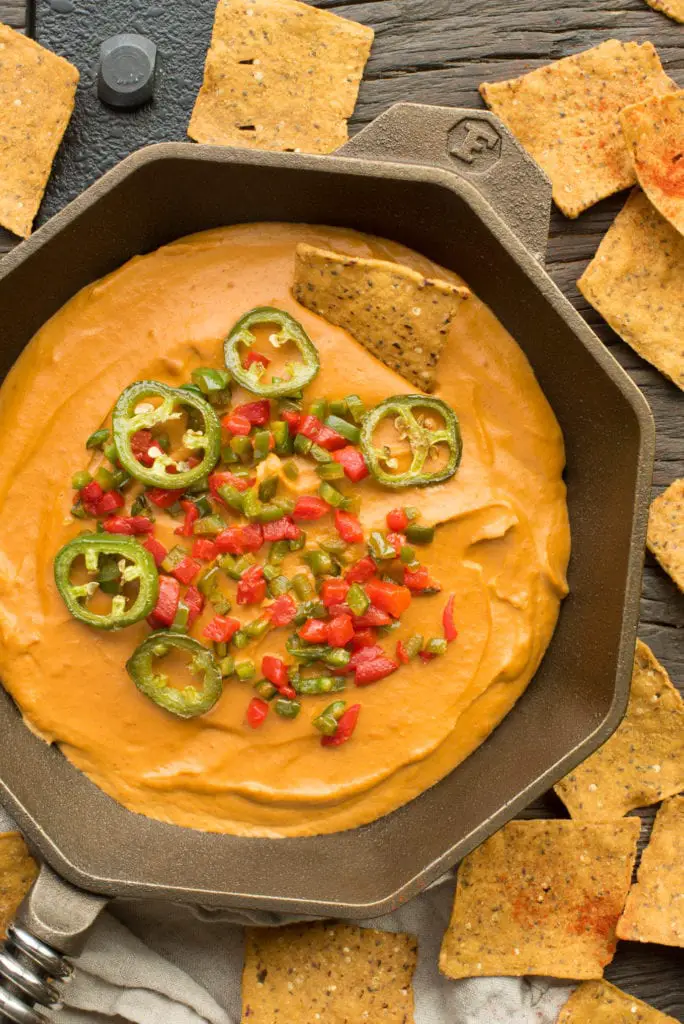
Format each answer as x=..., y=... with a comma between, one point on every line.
x=280, y=75
x=597, y=1002
x=541, y=897
x=331, y=972
x=666, y=531
x=673, y=8
x=654, y=132
x=37, y=90
x=566, y=117
x=643, y=761
x=636, y=282
x=397, y=314
x=18, y=871
x=654, y=911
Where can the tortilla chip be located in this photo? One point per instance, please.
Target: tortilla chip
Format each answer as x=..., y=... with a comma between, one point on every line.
x=541, y=897
x=566, y=117
x=397, y=314
x=636, y=282
x=331, y=972
x=673, y=8
x=280, y=75
x=654, y=911
x=37, y=90
x=18, y=871
x=597, y=1002
x=643, y=761
x=654, y=132
x=666, y=531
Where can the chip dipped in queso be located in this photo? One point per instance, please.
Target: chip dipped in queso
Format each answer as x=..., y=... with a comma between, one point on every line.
x=252, y=579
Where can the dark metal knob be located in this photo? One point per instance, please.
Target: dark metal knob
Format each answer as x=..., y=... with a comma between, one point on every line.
x=128, y=64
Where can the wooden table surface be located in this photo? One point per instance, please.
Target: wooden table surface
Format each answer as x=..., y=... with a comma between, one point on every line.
x=438, y=51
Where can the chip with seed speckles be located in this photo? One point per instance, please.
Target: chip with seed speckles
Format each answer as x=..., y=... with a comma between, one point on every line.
x=673, y=8
x=18, y=871
x=654, y=132
x=666, y=531
x=597, y=1002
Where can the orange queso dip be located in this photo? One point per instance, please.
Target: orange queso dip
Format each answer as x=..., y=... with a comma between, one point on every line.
x=500, y=547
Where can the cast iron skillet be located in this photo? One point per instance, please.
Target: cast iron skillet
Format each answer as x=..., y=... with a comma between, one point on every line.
x=454, y=185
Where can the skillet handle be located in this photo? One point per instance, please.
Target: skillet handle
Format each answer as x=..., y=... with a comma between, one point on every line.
x=53, y=919
x=474, y=145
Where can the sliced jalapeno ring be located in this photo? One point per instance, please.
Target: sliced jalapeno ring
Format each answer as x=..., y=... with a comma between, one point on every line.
x=421, y=439
x=139, y=566
x=189, y=702
x=301, y=373
x=126, y=422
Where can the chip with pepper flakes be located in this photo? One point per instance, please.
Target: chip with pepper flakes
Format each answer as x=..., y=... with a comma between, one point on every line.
x=597, y=1002
x=280, y=75
x=654, y=132
x=566, y=117
x=397, y=314
x=636, y=282
x=643, y=761
x=666, y=531
x=541, y=897
x=37, y=91
x=654, y=911
x=18, y=871
x=673, y=8
x=332, y=972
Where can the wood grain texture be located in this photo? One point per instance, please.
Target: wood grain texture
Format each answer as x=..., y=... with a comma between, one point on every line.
x=438, y=51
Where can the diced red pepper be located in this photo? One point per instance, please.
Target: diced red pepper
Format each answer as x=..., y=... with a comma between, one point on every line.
x=293, y=419
x=141, y=442
x=167, y=602
x=252, y=357
x=340, y=630
x=221, y=629
x=362, y=638
x=252, y=536
x=162, y=498
x=345, y=727
x=226, y=479
x=252, y=586
x=397, y=520
x=186, y=570
x=108, y=503
x=333, y=591
x=352, y=462
x=310, y=426
x=389, y=597
x=371, y=617
x=191, y=517
x=348, y=527
x=91, y=493
x=237, y=540
x=361, y=571
x=371, y=671
x=156, y=549
x=275, y=670
x=426, y=655
x=402, y=653
x=282, y=611
x=257, y=710
x=131, y=526
x=371, y=653
x=310, y=507
x=204, y=549
x=420, y=579
x=236, y=423
x=326, y=437
x=450, y=631
x=281, y=529
x=195, y=602
x=397, y=540
x=314, y=631
x=257, y=413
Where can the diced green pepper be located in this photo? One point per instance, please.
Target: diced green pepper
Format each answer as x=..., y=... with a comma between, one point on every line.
x=284, y=443
x=348, y=430
x=320, y=562
x=330, y=471
x=240, y=639
x=419, y=534
x=104, y=478
x=318, y=408
x=287, y=708
x=356, y=407
x=302, y=445
x=302, y=586
x=317, y=685
x=357, y=599
x=262, y=444
x=290, y=470
x=380, y=547
x=245, y=670
x=265, y=690
x=320, y=455
x=209, y=526
x=280, y=585
x=332, y=495
x=413, y=645
x=80, y=480
x=407, y=555
x=257, y=627
x=327, y=721
x=242, y=446
x=437, y=645
x=227, y=666
x=268, y=488
x=209, y=380
x=98, y=439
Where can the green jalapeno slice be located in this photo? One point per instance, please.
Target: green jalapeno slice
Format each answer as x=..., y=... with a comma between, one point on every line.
x=133, y=413
x=135, y=565
x=189, y=702
x=423, y=439
x=241, y=336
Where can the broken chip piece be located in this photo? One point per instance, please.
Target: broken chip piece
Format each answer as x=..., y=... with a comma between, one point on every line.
x=18, y=871
x=673, y=8
x=280, y=75
x=331, y=971
x=654, y=132
x=666, y=531
x=597, y=1002
x=397, y=314
x=643, y=761
x=543, y=898
x=566, y=117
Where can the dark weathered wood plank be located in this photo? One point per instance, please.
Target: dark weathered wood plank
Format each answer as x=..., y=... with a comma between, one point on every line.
x=439, y=51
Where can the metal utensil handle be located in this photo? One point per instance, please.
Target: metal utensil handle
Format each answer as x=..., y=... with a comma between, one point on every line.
x=54, y=919
x=476, y=147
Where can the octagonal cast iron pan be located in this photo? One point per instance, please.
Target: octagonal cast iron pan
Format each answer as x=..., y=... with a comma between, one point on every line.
x=456, y=186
